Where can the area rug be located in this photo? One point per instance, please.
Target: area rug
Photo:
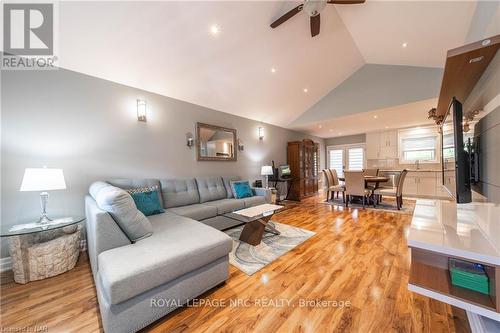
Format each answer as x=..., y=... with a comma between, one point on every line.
x=387, y=205
x=250, y=259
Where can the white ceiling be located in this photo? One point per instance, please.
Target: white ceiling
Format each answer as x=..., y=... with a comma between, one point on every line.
x=430, y=28
x=167, y=48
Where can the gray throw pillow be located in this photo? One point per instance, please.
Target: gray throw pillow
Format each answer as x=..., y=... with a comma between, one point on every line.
x=121, y=206
x=227, y=184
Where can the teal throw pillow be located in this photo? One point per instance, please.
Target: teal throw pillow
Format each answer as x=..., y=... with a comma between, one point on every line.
x=148, y=202
x=241, y=189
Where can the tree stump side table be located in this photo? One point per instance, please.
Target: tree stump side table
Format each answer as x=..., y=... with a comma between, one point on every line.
x=40, y=251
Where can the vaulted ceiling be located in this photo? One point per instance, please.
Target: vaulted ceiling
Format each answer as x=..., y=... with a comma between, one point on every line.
x=168, y=48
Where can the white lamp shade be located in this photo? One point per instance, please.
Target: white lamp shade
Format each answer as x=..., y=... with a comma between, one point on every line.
x=43, y=179
x=266, y=170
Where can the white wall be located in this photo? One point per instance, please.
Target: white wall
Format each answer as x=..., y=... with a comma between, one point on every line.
x=88, y=127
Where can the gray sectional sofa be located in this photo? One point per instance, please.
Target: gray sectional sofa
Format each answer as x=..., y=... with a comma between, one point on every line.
x=186, y=255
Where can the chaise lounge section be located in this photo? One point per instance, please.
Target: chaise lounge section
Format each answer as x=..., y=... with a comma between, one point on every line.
x=186, y=254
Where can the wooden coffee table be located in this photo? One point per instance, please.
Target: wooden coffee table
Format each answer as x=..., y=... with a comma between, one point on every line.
x=256, y=222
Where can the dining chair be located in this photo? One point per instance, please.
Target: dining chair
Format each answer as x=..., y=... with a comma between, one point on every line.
x=337, y=187
x=396, y=192
x=329, y=183
x=355, y=186
x=393, y=179
x=371, y=172
x=391, y=184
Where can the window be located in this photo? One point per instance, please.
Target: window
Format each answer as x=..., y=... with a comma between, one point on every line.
x=336, y=161
x=348, y=157
x=419, y=144
x=448, y=146
x=356, y=158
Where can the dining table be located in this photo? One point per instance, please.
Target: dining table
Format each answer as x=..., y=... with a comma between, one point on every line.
x=372, y=179
x=368, y=181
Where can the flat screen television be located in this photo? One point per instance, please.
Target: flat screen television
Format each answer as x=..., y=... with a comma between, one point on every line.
x=454, y=156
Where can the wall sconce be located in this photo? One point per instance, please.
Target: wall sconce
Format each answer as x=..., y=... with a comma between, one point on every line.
x=141, y=110
x=189, y=140
x=260, y=130
x=241, y=147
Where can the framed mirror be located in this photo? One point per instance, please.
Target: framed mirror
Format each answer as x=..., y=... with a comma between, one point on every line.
x=215, y=143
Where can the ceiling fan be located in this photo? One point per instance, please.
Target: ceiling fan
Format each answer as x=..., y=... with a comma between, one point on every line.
x=313, y=8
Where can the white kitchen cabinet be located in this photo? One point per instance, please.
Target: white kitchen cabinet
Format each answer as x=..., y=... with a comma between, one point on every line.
x=389, y=144
x=440, y=190
x=410, y=187
x=373, y=146
x=382, y=145
x=421, y=184
x=427, y=185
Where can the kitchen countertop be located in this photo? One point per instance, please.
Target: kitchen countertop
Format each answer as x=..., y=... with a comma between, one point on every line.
x=470, y=231
x=409, y=170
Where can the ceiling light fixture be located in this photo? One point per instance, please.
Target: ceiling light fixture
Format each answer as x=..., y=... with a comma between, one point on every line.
x=305, y=90
x=214, y=29
x=375, y=116
x=404, y=44
x=320, y=126
x=273, y=70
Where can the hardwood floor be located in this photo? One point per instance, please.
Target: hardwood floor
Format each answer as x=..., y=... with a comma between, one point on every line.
x=356, y=256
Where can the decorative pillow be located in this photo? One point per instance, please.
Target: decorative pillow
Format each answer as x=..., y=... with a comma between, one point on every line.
x=148, y=202
x=120, y=205
x=241, y=189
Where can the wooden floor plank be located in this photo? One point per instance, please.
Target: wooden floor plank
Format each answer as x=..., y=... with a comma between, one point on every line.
x=359, y=257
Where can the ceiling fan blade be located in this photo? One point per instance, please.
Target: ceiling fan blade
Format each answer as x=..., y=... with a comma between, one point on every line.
x=345, y=2
x=315, y=23
x=287, y=16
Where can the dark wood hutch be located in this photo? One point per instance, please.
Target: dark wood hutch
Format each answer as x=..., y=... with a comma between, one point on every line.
x=303, y=158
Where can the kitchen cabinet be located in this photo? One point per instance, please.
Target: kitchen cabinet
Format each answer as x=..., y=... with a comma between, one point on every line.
x=382, y=145
x=372, y=145
x=424, y=184
x=389, y=144
x=410, y=187
x=427, y=185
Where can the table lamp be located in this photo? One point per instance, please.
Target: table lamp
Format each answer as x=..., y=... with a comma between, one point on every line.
x=43, y=179
x=266, y=170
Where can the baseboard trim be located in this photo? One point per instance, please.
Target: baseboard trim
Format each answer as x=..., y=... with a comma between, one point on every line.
x=5, y=264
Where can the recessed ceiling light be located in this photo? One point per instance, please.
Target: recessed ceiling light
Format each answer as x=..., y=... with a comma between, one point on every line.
x=320, y=126
x=273, y=70
x=214, y=29
x=375, y=116
x=404, y=44
x=305, y=90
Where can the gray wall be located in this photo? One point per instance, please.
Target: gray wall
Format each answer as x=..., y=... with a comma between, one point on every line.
x=486, y=95
x=488, y=129
x=88, y=127
x=375, y=87
x=345, y=140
